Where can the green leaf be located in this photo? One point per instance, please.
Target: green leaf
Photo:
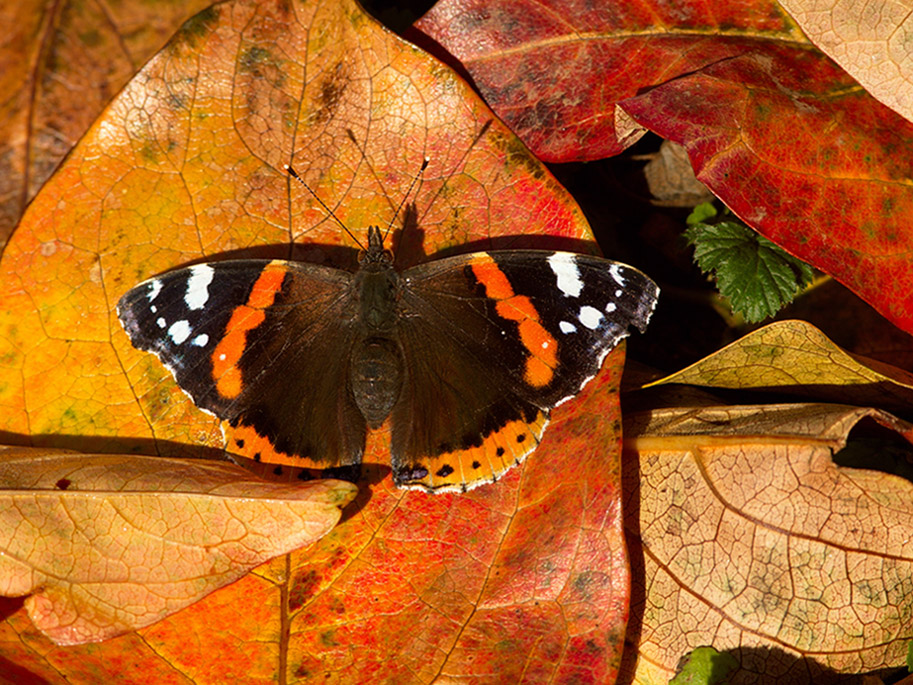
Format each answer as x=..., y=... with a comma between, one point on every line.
x=701, y=213
x=704, y=666
x=756, y=276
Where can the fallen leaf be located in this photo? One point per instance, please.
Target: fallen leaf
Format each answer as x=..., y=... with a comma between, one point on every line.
x=554, y=70
x=870, y=41
x=852, y=324
x=59, y=67
x=746, y=537
x=525, y=577
x=671, y=179
x=107, y=544
x=178, y=169
x=794, y=356
x=804, y=156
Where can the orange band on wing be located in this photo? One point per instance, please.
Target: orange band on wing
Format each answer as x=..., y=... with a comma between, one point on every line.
x=541, y=345
x=490, y=275
x=244, y=318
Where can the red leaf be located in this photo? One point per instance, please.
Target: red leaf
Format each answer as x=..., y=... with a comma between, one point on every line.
x=794, y=147
x=554, y=70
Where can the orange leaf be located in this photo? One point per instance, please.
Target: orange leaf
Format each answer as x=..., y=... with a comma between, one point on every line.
x=525, y=579
x=186, y=164
x=176, y=173
x=108, y=544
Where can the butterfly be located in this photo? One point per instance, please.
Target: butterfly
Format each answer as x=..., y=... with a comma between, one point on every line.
x=465, y=356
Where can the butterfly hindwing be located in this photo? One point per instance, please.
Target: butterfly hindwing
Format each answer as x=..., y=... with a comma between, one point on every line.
x=494, y=341
x=263, y=346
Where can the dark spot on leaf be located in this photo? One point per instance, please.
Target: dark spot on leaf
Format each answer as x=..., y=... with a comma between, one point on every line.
x=303, y=586
x=63, y=483
x=330, y=91
x=90, y=38
x=337, y=607
x=253, y=58
x=196, y=27
x=149, y=153
x=518, y=154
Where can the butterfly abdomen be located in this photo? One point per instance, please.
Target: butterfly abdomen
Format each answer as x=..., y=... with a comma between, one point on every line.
x=376, y=377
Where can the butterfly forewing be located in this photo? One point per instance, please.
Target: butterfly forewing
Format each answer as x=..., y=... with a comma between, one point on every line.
x=263, y=346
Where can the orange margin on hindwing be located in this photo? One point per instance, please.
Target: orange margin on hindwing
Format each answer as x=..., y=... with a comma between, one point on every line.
x=499, y=451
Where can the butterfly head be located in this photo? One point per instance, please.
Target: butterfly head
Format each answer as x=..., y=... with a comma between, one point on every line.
x=376, y=253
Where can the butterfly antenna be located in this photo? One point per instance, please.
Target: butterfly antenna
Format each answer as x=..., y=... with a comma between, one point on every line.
x=460, y=161
x=407, y=194
x=364, y=156
x=294, y=174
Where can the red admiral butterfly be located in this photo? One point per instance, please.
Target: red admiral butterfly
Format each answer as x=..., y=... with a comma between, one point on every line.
x=465, y=355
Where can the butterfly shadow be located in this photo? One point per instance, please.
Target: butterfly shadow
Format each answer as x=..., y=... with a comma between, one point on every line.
x=408, y=243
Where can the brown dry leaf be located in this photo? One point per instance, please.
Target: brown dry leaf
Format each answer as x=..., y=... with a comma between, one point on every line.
x=745, y=536
x=671, y=179
x=794, y=356
x=109, y=543
x=870, y=40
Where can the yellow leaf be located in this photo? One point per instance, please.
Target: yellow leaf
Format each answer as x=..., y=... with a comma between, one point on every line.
x=106, y=544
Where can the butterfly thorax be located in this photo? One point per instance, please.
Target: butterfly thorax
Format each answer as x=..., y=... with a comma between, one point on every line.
x=376, y=366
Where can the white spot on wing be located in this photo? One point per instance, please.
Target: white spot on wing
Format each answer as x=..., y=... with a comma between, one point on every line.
x=610, y=307
x=567, y=327
x=565, y=269
x=161, y=322
x=615, y=270
x=201, y=340
x=179, y=331
x=155, y=287
x=153, y=309
x=198, y=286
x=590, y=317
